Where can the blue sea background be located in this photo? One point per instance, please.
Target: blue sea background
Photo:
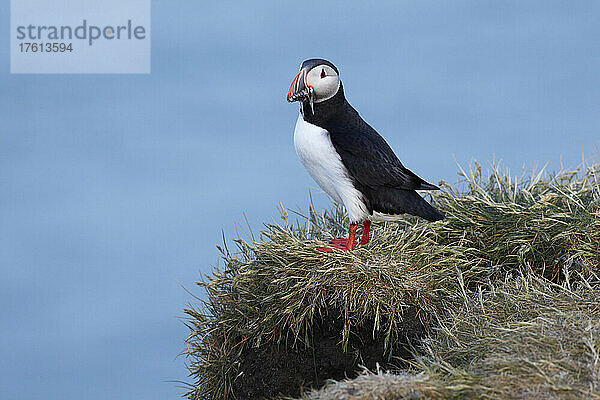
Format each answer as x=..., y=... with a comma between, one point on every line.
x=115, y=189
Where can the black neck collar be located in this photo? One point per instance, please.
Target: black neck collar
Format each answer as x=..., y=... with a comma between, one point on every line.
x=326, y=110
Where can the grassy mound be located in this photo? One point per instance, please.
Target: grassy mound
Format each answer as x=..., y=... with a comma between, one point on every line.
x=522, y=338
x=500, y=292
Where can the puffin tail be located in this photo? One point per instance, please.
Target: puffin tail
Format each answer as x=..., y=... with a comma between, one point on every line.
x=430, y=213
x=400, y=201
x=427, y=186
x=414, y=204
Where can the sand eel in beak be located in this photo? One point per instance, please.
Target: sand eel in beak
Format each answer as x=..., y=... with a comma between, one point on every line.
x=348, y=159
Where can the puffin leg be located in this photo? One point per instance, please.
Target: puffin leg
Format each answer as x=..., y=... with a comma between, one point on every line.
x=343, y=243
x=363, y=240
x=365, y=236
x=351, y=237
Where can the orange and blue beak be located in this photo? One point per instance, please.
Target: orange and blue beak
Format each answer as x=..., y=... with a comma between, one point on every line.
x=299, y=90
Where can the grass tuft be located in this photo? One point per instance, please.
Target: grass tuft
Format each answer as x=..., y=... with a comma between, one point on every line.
x=498, y=300
x=525, y=337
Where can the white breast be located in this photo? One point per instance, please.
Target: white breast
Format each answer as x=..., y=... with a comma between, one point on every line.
x=324, y=164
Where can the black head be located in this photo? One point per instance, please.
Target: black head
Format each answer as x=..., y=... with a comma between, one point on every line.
x=315, y=62
x=317, y=81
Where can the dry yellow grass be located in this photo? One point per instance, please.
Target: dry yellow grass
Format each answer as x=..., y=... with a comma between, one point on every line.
x=526, y=338
x=497, y=301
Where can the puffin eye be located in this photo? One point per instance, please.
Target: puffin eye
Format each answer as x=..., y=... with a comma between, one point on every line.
x=323, y=73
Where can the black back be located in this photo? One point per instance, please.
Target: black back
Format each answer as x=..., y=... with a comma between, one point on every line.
x=387, y=185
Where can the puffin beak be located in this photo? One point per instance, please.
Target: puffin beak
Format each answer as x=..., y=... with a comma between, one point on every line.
x=299, y=91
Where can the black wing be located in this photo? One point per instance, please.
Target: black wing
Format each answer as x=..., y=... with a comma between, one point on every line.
x=370, y=160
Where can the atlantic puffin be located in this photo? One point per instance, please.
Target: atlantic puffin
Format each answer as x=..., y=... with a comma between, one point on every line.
x=348, y=159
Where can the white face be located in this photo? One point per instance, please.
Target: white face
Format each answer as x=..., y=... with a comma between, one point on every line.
x=324, y=81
